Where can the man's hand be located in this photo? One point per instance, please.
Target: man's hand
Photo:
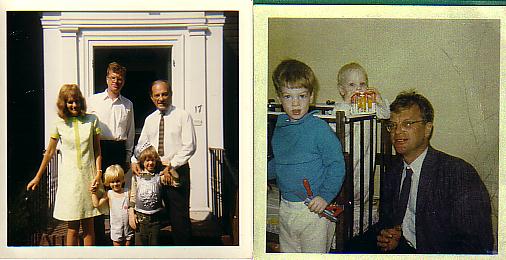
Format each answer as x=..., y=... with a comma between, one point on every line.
x=388, y=239
x=317, y=205
x=135, y=168
x=174, y=178
x=166, y=176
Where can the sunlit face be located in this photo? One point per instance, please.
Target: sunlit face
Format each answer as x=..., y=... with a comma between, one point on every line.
x=149, y=164
x=116, y=185
x=410, y=141
x=115, y=82
x=161, y=96
x=295, y=102
x=352, y=81
x=73, y=106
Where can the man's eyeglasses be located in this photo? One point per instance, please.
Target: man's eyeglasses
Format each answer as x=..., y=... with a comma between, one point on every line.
x=405, y=125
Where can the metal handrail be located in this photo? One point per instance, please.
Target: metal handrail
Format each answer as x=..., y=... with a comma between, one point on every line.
x=224, y=189
x=40, y=202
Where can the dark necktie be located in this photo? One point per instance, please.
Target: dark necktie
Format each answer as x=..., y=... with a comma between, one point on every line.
x=160, y=136
x=404, y=196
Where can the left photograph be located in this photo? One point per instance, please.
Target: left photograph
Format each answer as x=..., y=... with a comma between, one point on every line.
x=123, y=128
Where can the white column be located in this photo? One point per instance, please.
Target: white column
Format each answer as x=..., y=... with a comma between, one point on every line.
x=195, y=104
x=215, y=80
x=69, y=58
x=52, y=69
x=60, y=63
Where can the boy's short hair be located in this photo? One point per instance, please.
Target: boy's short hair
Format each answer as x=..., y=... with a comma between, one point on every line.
x=353, y=66
x=407, y=99
x=68, y=91
x=294, y=74
x=149, y=153
x=114, y=172
x=115, y=67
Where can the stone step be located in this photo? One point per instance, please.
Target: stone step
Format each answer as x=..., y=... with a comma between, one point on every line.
x=204, y=233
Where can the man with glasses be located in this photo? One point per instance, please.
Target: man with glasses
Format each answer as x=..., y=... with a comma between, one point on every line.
x=432, y=202
x=116, y=120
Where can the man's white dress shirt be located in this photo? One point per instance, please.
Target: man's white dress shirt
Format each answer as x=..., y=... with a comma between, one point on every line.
x=179, y=135
x=409, y=222
x=116, y=119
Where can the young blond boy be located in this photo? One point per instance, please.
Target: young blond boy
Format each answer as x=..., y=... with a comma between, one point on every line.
x=304, y=147
x=352, y=78
x=117, y=200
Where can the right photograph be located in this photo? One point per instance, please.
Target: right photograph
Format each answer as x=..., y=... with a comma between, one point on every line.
x=382, y=133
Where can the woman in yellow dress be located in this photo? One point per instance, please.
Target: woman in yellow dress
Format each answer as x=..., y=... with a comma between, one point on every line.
x=80, y=164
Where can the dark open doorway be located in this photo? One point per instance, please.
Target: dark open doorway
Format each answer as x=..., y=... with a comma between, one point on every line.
x=144, y=65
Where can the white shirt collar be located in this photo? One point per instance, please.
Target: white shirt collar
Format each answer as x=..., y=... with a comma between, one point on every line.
x=167, y=111
x=106, y=95
x=416, y=165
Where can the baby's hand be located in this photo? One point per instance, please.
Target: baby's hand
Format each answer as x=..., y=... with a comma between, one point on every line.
x=95, y=181
x=317, y=204
x=93, y=188
x=376, y=93
x=348, y=95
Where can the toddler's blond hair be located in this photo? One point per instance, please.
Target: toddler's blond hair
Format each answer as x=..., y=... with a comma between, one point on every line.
x=114, y=172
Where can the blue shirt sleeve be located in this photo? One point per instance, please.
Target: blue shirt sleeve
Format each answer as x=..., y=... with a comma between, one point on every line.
x=271, y=169
x=333, y=163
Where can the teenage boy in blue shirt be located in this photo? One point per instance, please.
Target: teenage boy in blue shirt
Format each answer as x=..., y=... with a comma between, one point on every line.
x=304, y=147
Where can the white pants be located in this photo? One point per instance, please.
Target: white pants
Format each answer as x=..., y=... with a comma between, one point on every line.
x=302, y=231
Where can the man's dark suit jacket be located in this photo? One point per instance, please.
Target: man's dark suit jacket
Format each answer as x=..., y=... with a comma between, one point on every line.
x=452, y=207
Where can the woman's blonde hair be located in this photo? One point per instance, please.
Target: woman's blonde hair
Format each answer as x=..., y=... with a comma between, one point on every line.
x=149, y=153
x=112, y=173
x=68, y=91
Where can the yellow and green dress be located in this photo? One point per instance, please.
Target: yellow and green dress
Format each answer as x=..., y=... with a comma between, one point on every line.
x=77, y=168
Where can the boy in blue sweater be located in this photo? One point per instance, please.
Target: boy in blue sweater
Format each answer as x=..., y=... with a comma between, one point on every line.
x=304, y=147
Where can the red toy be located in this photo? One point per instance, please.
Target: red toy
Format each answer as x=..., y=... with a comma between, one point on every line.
x=330, y=212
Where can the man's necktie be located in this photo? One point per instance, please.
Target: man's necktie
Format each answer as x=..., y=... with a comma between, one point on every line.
x=404, y=196
x=160, y=136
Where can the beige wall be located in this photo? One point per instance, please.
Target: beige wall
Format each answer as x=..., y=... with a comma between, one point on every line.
x=454, y=63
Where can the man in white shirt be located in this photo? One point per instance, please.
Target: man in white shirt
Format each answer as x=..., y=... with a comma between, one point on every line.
x=116, y=120
x=170, y=130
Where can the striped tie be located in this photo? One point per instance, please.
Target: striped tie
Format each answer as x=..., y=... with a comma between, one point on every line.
x=160, y=136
